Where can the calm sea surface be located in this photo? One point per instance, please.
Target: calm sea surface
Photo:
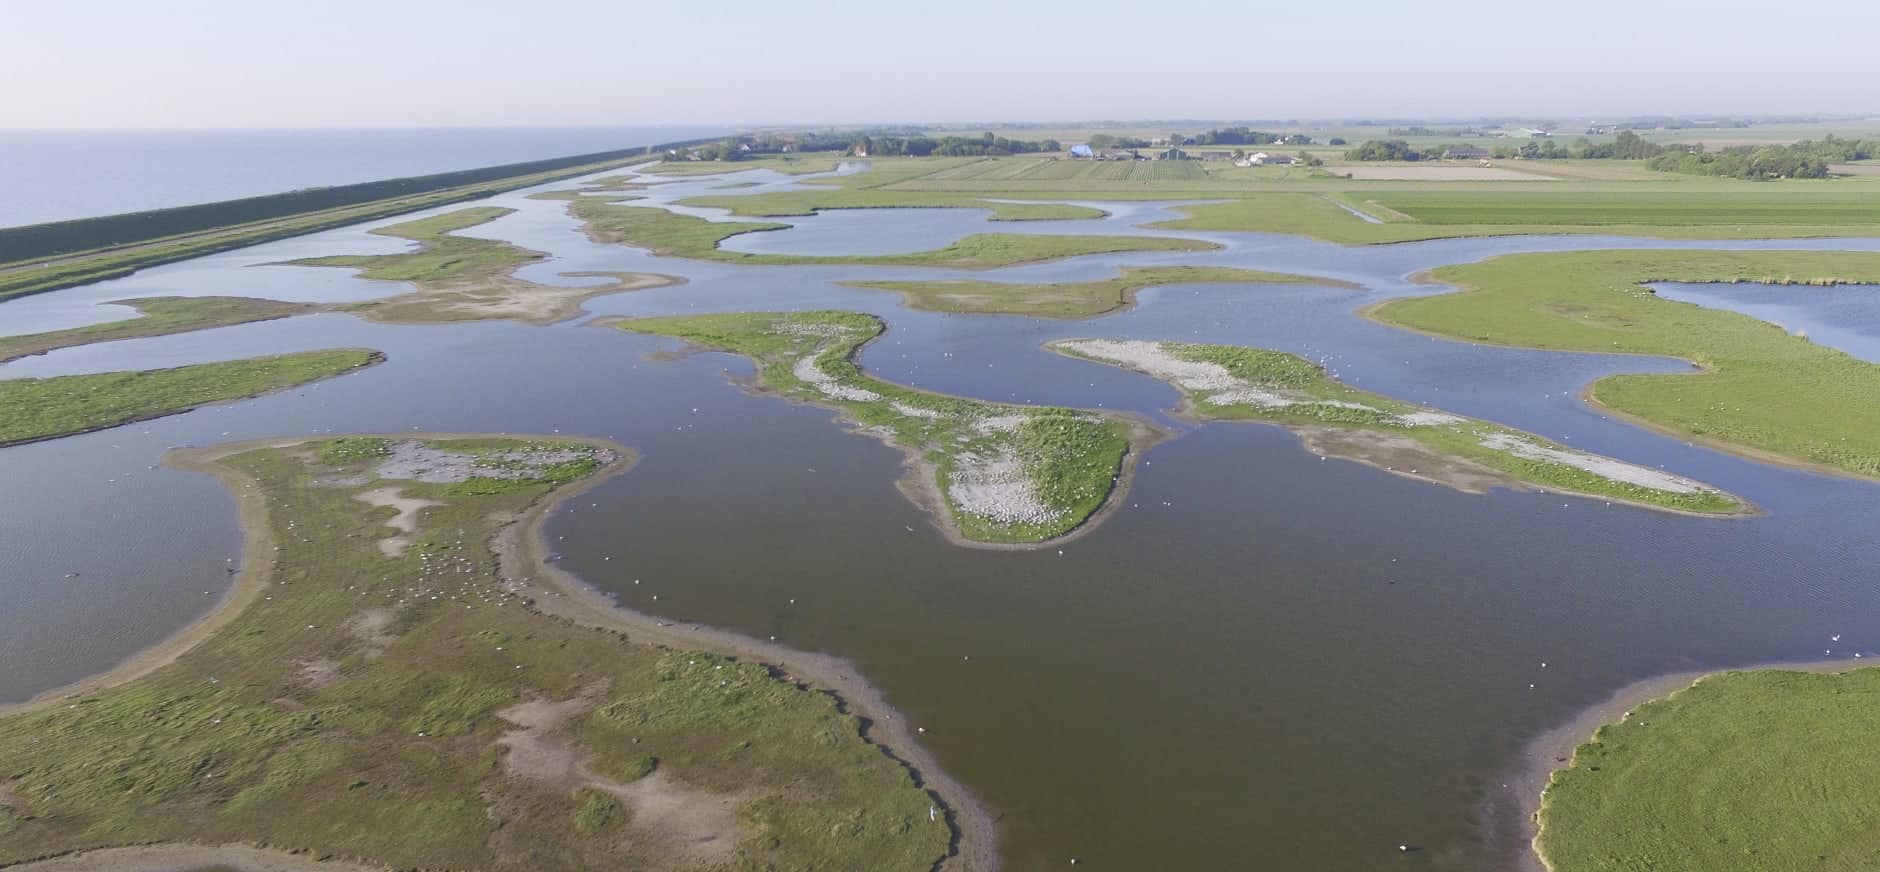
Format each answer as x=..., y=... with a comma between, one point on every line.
x=1264, y=661
x=58, y=175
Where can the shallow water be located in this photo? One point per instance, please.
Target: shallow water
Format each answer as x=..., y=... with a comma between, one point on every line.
x=1846, y=317
x=1264, y=660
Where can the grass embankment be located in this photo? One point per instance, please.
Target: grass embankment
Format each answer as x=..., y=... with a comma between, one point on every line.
x=1073, y=299
x=404, y=707
x=670, y=234
x=464, y=278
x=1005, y=474
x=1763, y=771
x=41, y=275
x=161, y=316
x=47, y=408
x=781, y=203
x=1764, y=392
x=1227, y=382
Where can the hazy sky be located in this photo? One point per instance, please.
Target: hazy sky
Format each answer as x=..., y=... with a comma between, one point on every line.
x=352, y=63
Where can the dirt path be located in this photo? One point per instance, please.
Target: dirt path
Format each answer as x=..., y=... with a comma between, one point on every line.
x=405, y=522
x=188, y=858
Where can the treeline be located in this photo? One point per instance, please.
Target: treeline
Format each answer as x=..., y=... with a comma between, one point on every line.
x=1247, y=136
x=1808, y=159
x=36, y=241
x=891, y=141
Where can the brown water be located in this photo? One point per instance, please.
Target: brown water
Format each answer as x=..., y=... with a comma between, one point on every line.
x=1264, y=661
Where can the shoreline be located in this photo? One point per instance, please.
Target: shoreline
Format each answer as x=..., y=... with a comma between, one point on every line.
x=1587, y=396
x=521, y=552
x=188, y=857
x=918, y=481
x=1533, y=771
x=377, y=357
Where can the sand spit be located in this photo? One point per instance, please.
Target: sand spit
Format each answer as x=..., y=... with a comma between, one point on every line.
x=1401, y=438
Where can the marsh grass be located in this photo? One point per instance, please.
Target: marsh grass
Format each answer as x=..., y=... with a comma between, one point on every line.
x=1764, y=390
x=1071, y=299
x=442, y=256
x=159, y=316
x=44, y=408
x=391, y=759
x=1763, y=770
x=671, y=234
x=1071, y=457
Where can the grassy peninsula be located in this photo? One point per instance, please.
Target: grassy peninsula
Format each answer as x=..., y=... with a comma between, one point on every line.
x=1760, y=770
x=464, y=278
x=1227, y=382
x=674, y=235
x=1073, y=299
x=160, y=316
x=1762, y=392
x=994, y=473
x=378, y=690
x=47, y=408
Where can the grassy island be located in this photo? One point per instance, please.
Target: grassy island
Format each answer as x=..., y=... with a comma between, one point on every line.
x=1762, y=391
x=1763, y=770
x=160, y=316
x=674, y=235
x=47, y=408
x=1227, y=382
x=464, y=278
x=380, y=689
x=1073, y=299
x=998, y=474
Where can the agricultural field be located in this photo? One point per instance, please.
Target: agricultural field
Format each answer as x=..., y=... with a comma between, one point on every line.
x=1410, y=202
x=1759, y=391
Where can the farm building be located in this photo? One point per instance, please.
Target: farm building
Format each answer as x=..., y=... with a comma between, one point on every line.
x=1464, y=152
x=1262, y=159
x=1082, y=151
x=1118, y=154
x=1172, y=154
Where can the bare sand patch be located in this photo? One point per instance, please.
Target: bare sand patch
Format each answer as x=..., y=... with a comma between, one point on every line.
x=1401, y=455
x=373, y=628
x=698, y=826
x=405, y=522
x=318, y=673
x=1440, y=174
x=1605, y=467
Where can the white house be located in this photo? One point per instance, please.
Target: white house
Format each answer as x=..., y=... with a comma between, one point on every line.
x=1262, y=159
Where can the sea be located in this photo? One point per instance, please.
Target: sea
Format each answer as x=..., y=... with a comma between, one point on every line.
x=59, y=175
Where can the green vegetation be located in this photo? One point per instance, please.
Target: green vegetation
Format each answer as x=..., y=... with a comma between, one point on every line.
x=670, y=234
x=358, y=704
x=1072, y=299
x=465, y=278
x=1764, y=392
x=1005, y=473
x=37, y=275
x=782, y=203
x=442, y=256
x=1766, y=770
x=1534, y=196
x=46, y=408
x=162, y=316
x=1226, y=382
